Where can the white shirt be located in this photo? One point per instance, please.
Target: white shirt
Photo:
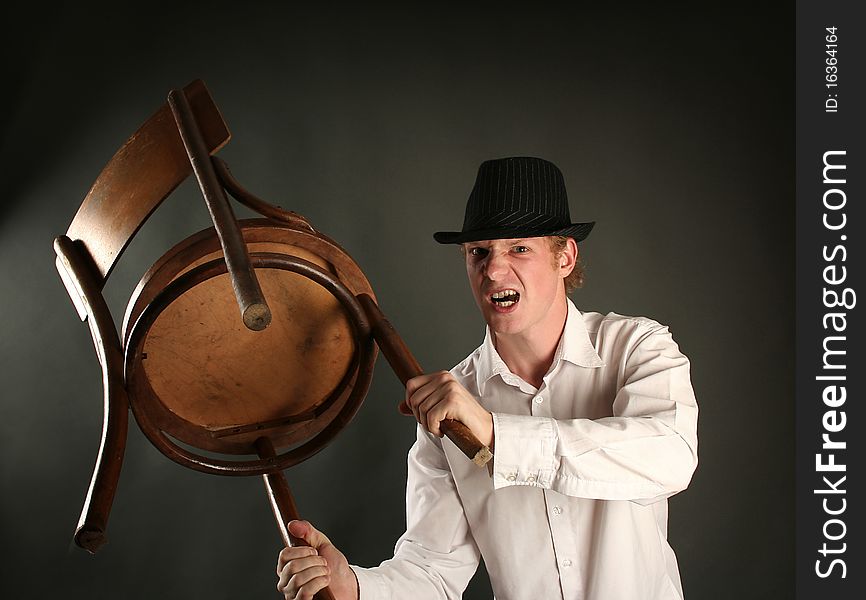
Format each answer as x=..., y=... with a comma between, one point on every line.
x=576, y=505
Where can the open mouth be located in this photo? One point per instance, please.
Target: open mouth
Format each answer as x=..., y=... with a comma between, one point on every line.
x=505, y=298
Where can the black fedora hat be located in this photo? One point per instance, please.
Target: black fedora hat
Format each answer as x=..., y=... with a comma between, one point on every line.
x=516, y=197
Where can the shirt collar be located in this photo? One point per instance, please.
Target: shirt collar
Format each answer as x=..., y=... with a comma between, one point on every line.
x=574, y=346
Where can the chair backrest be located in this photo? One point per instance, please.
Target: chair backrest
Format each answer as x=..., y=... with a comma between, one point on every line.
x=141, y=174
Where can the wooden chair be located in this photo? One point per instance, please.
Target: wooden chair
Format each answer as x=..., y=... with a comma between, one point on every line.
x=252, y=341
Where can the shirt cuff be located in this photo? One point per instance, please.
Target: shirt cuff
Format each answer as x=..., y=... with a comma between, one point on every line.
x=371, y=585
x=525, y=451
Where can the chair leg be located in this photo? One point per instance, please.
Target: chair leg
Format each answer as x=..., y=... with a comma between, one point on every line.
x=255, y=312
x=90, y=532
x=283, y=504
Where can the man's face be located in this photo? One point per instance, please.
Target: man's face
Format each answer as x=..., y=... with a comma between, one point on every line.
x=516, y=281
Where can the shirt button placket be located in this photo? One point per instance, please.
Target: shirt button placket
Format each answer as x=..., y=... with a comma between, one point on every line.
x=563, y=544
x=539, y=405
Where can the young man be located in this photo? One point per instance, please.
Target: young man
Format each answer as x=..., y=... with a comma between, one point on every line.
x=591, y=418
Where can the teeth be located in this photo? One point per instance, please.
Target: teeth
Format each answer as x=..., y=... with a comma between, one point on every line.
x=505, y=298
x=503, y=294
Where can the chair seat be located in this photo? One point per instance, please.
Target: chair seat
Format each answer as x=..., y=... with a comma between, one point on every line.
x=208, y=381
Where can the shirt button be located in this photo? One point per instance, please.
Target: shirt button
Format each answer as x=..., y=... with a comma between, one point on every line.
x=566, y=563
x=557, y=510
x=538, y=399
x=511, y=477
x=531, y=479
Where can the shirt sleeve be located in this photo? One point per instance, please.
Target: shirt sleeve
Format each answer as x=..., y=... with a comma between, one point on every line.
x=644, y=452
x=437, y=556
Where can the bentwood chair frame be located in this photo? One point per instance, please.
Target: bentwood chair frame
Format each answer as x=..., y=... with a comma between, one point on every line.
x=179, y=139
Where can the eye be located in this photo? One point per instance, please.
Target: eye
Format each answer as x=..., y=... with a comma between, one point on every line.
x=520, y=249
x=478, y=251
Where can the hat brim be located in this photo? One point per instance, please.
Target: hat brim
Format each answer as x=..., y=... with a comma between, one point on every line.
x=578, y=231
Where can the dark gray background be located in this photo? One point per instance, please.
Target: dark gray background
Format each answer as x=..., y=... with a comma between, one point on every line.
x=673, y=126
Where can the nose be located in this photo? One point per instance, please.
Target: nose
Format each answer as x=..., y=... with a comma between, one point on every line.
x=496, y=266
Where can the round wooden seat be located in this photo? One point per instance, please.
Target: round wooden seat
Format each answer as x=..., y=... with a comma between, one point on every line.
x=197, y=375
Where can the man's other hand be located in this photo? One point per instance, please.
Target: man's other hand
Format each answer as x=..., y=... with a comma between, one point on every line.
x=436, y=396
x=304, y=570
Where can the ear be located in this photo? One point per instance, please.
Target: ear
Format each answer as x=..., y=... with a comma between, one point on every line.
x=568, y=258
